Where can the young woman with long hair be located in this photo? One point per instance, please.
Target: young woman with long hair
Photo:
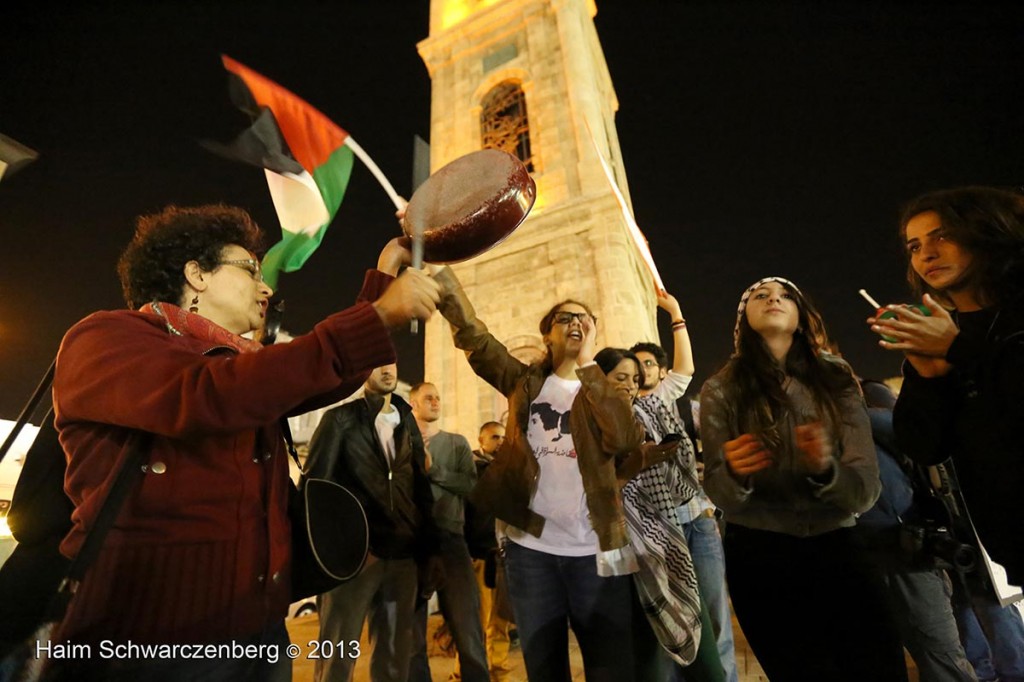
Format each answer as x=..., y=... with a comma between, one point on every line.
x=963, y=390
x=790, y=461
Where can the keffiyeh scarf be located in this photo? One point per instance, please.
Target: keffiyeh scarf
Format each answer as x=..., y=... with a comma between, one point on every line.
x=741, y=308
x=666, y=581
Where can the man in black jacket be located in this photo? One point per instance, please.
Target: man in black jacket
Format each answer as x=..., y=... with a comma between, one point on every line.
x=373, y=447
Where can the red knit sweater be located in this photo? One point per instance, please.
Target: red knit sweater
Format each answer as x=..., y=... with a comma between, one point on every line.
x=201, y=550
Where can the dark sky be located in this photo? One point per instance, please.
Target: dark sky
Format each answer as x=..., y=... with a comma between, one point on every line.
x=759, y=138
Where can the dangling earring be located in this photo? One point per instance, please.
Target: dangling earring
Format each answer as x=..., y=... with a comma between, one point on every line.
x=194, y=306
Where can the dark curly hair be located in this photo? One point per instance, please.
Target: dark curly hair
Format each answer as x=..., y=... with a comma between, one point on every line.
x=660, y=356
x=986, y=222
x=152, y=266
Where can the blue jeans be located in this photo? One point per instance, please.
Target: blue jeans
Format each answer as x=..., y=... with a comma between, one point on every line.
x=550, y=593
x=460, y=604
x=993, y=636
x=705, y=542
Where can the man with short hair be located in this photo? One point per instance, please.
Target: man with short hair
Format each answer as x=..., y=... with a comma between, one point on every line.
x=372, y=447
x=698, y=515
x=452, y=476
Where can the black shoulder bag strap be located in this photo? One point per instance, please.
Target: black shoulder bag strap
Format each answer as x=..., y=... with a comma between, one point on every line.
x=30, y=407
x=286, y=431
x=127, y=478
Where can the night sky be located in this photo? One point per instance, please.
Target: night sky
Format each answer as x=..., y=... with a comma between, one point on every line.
x=769, y=138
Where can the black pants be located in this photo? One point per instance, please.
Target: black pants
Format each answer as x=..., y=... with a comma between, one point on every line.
x=809, y=608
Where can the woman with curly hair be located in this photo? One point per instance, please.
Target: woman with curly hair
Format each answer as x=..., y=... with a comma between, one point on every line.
x=790, y=461
x=200, y=550
x=963, y=390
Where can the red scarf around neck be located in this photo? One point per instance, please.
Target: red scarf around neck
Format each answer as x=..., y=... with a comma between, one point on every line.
x=181, y=322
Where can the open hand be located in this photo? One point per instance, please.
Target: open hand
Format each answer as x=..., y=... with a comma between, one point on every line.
x=647, y=455
x=589, y=345
x=669, y=304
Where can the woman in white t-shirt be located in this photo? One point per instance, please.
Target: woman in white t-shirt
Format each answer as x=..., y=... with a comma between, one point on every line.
x=554, y=481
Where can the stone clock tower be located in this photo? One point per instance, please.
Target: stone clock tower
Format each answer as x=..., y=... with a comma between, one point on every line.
x=529, y=77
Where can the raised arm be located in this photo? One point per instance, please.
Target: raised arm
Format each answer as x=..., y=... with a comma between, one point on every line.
x=682, y=350
x=487, y=356
x=124, y=370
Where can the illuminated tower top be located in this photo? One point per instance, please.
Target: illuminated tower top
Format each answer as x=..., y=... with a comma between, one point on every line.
x=529, y=77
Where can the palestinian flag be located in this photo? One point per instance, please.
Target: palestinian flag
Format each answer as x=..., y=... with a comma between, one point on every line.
x=305, y=156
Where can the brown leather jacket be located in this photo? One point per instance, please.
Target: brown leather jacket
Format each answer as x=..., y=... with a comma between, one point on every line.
x=605, y=433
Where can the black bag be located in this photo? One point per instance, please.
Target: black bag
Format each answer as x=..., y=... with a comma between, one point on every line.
x=330, y=537
x=28, y=580
x=40, y=510
x=330, y=534
x=39, y=518
x=21, y=660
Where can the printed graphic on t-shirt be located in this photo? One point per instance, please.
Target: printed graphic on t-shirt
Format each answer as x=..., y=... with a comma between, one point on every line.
x=551, y=427
x=559, y=496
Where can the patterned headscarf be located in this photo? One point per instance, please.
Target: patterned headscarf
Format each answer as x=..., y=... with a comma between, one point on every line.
x=746, y=297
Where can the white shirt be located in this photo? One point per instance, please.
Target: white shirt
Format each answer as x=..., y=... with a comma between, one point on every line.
x=559, y=496
x=671, y=388
x=385, y=423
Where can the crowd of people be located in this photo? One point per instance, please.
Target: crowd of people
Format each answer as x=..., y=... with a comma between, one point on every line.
x=586, y=506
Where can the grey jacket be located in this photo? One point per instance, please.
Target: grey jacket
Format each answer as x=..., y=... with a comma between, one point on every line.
x=784, y=498
x=452, y=476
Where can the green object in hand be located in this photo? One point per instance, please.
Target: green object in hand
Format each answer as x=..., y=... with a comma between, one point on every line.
x=888, y=314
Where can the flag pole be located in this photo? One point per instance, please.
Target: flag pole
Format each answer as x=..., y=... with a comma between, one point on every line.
x=398, y=201
x=634, y=230
x=400, y=204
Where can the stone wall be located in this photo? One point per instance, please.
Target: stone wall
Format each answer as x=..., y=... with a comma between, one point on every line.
x=575, y=243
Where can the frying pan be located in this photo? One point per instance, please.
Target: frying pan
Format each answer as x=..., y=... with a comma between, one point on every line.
x=470, y=205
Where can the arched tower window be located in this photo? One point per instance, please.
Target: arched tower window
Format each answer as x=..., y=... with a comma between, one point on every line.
x=503, y=122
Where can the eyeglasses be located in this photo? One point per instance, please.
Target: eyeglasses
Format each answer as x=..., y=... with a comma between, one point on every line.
x=251, y=265
x=567, y=318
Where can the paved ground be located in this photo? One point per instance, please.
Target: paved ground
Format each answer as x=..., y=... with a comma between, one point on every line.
x=303, y=630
